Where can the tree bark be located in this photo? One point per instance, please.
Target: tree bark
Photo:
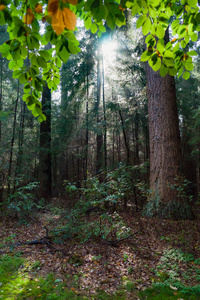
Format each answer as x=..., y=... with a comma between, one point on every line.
x=165, y=149
x=99, y=159
x=45, y=177
x=125, y=136
x=104, y=117
x=12, y=143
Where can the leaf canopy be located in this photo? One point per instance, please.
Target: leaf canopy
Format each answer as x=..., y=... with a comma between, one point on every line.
x=23, y=20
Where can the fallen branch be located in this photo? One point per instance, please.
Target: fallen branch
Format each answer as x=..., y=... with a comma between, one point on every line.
x=113, y=243
x=35, y=242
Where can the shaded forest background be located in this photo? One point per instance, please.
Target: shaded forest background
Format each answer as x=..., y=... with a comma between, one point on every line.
x=97, y=125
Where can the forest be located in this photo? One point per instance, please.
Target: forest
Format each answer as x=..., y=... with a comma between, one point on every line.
x=99, y=149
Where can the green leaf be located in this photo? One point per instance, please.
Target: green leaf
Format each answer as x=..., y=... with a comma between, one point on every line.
x=58, y=62
x=183, y=44
x=56, y=80
x=35, y=112
x=23, y=78
x=146, y=27
x=94, y=28
x=63, y=54
x=41, y=62
x=11, y=64
x=192, y=53
x=45, y=55
x=17, y=73
x=135, y=9
x=24, y=51
x=180, y=72
x=145, y=56
x=186, y=75
x=157, y=65
x=26, y=97
x=27, y=88
x=154, y=3
x=141, y=21
x=194, y=37
x=189, y=66
x=88, y=23
x=172, y=71
x=197, y=18
x=192, y=3
x=34, y=60
x=163, y=71
x=102, y=28
x=160, y=32
x=111, y=21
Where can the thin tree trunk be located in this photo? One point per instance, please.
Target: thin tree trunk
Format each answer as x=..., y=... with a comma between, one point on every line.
x=105, y=121
x=12, y=142
x=99, y=159
x=87, y=125
x=18, y=168
x=45, y=175
x=137, y=160
x=1, y=89
x=125, y=136
x=1, y=95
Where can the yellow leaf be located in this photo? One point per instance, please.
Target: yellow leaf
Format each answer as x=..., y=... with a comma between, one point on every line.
x=53, y=7
x=57, y=22
x=2, y=6
x=73, y=2
x=69, y=18
x=29, y=17
x=38, y=8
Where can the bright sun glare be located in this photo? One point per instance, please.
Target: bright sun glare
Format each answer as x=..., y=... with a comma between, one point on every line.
x=109, y=48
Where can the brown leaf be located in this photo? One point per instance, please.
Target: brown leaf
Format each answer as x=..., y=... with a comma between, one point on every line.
x=73, y=2
x=29, y=17
x=38, y=8
x=52, y=7
x=2, y=7
x=57, y=22
x=69, y=18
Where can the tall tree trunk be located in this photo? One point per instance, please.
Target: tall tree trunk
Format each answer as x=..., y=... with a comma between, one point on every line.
x=45, y=177
x=12, y=143
x=1, y=89
x=165, y=149
x=87, y=125
x=125, y=136
x=104, y=116
x=18, y=169
x=99, y=159
x=1, y=95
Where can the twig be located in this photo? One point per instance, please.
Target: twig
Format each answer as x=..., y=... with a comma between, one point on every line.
x=120, y=240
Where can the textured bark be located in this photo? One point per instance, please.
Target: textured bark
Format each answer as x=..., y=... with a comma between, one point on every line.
x=165, y=150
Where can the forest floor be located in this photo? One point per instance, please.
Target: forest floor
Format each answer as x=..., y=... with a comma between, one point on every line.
x=162, y=252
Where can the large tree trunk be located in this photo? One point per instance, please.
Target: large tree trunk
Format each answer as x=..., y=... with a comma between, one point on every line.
x=165, y=149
